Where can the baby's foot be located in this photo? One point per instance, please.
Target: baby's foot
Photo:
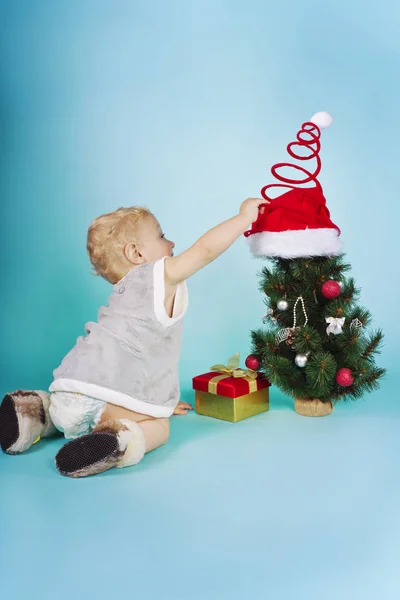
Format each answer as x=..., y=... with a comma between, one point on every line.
x=117, y=443
x=24, y=418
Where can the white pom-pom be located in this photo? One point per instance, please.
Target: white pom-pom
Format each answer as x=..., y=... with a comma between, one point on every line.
x=322, y=119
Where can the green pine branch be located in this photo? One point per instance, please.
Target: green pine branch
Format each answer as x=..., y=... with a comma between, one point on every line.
x=350, y=293
x=307, y=339
x=373, y=345
x=321, y=370
x=370, y=382
x=283, y=373
x=262, y=343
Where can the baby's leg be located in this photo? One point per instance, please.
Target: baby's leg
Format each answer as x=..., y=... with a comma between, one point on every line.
x=120, y=440
x=156, y=431
x=24, y=418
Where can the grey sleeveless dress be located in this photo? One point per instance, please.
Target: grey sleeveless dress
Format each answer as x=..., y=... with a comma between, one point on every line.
x=130, y=356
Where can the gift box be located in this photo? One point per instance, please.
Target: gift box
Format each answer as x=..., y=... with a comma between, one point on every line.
x=230, y=393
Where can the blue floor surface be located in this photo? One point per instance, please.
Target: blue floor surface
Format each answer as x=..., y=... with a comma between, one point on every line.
x=276, y=507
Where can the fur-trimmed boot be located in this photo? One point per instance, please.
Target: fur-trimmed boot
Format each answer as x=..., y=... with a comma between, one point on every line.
x=116, y=443
x=24, y=418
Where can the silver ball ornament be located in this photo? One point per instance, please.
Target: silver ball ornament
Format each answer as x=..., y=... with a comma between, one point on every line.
x=301, y=360
x=283, y=304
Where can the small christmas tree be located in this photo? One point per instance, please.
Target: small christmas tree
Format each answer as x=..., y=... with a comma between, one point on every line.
x=316, y=347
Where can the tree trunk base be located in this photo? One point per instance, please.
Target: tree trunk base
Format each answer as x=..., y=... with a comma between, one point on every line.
x=312, y=408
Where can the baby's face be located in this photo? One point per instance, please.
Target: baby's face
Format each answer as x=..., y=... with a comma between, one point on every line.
x=153, y=244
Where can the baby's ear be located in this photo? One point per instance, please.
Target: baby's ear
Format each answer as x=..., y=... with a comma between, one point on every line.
x=132, y=253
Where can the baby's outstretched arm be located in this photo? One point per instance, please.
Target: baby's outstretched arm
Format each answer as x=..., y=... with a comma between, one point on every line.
x=212, y=244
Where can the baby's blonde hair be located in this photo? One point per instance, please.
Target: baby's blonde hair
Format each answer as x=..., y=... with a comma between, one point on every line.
x=107, y=237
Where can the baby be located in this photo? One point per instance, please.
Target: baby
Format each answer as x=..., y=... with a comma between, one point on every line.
x=114, y=392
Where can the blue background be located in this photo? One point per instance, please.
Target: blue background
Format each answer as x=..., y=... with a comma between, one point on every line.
x=183, y=107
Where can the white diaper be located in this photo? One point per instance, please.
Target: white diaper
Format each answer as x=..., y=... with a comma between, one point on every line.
x=75, y=414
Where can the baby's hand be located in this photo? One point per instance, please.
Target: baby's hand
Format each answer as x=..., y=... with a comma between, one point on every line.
x=182, y=408
x=251, y=208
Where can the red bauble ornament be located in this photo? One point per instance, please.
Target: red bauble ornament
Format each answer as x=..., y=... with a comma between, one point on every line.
x=331, y=289
x=252, y=362
x=344, y=377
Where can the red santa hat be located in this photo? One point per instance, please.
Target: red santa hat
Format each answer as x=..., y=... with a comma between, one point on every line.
x=297, y=223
